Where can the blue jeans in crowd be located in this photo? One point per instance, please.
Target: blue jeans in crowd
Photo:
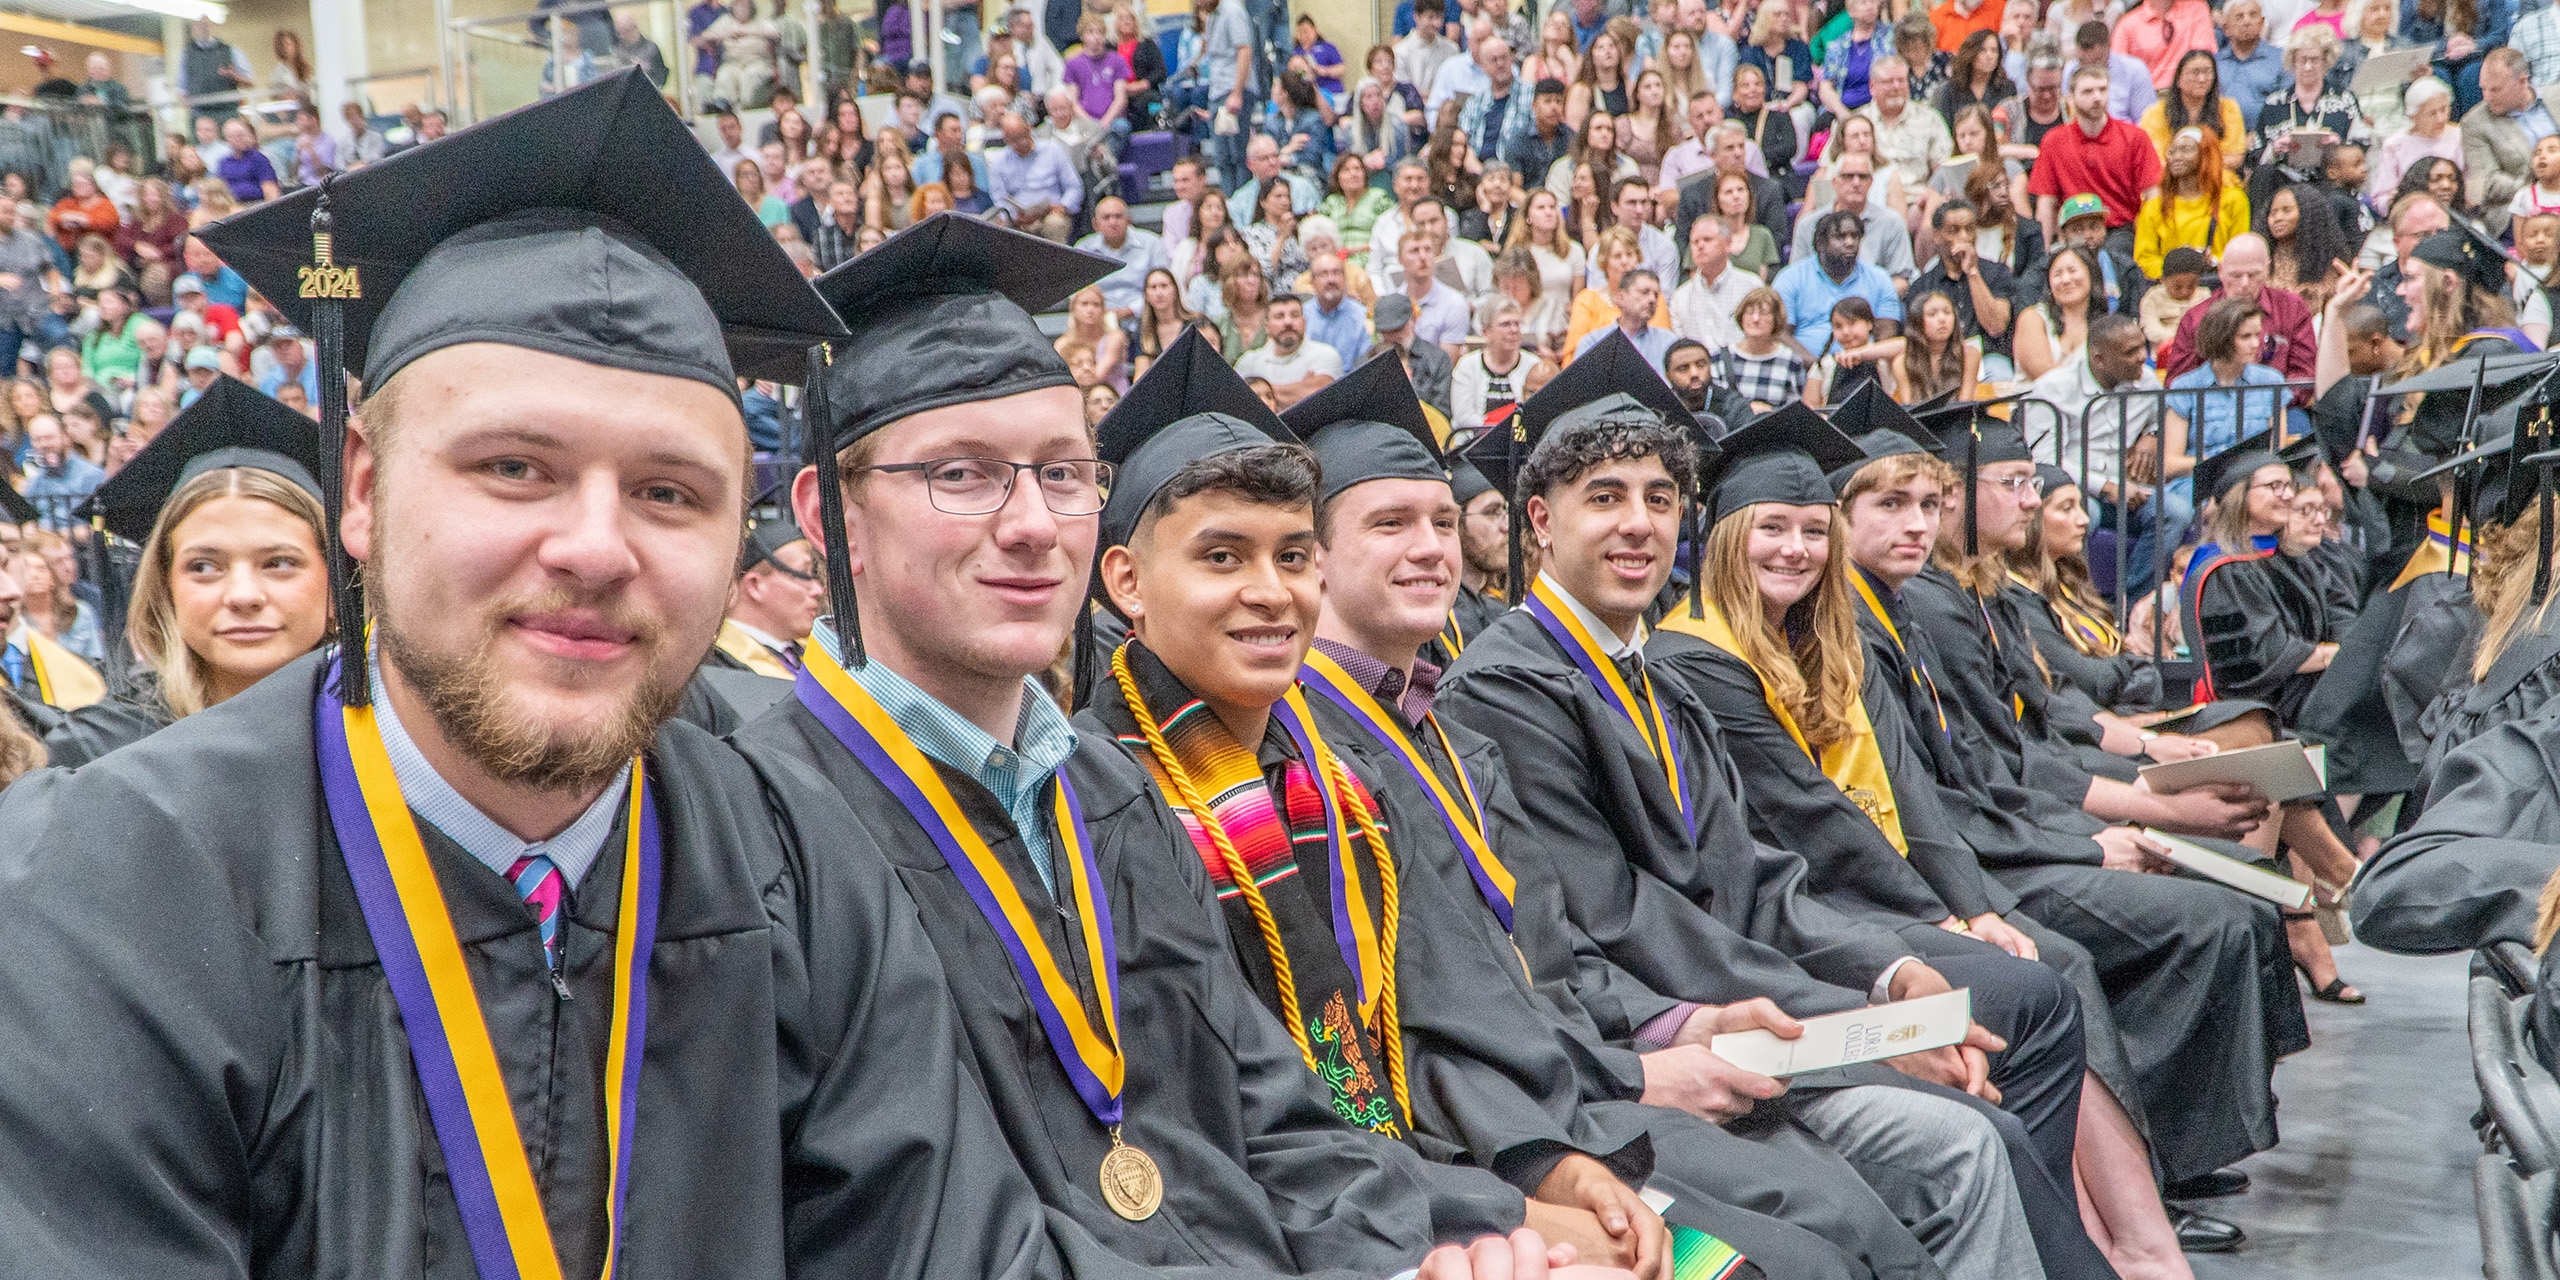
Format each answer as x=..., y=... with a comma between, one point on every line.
x=1228, y=148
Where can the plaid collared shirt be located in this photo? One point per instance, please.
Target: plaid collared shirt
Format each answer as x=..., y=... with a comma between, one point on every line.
x=1773, y=379
x=2537, y=36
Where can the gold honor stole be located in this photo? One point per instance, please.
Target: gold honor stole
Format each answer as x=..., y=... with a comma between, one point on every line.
x=1089, y=1054
x=1465, y=821
x=404, y=910
x=1554, y=614
x=62, y=680
x=1855, y=764
x=2440, y=553
x=1920, y=677
x=1454, y=636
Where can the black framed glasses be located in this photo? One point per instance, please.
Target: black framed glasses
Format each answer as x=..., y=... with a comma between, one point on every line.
x=981, y=486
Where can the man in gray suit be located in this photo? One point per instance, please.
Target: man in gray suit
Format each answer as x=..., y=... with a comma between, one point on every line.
x=2498, y=135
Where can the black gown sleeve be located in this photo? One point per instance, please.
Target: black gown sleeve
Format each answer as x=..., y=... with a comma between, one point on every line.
x=2246, y=641
x=2472, y=869
x=1792, y=803
x=1646, y=926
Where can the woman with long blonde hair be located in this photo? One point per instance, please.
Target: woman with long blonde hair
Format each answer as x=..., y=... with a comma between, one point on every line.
x=1768, y=640
x=1652, y=127
x=1560, y=262
x=231, y=586
x=1683, y=75
x=1090, y=330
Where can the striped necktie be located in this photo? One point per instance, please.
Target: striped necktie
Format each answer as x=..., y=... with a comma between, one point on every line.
x=539, y=883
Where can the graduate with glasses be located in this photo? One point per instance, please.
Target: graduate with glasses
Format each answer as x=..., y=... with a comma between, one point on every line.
x=1624, y=779
x=959, y=498
x=443, y=953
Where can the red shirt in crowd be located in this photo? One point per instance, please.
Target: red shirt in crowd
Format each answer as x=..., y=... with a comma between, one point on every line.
x=98, y=217
x=2117, y=166
x=2287, y=346
x=2159, y=40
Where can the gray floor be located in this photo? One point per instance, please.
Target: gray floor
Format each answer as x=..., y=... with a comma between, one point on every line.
x=2373, y=1176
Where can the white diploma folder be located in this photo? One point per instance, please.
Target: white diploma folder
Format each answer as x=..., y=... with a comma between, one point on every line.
x=1860, y=1035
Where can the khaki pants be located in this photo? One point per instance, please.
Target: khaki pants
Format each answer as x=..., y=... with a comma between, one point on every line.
x=1052, y=226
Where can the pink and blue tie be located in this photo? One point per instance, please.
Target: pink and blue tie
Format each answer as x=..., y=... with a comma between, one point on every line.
x=540, y=884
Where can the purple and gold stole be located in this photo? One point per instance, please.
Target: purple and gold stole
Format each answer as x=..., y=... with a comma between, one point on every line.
x=404, y=910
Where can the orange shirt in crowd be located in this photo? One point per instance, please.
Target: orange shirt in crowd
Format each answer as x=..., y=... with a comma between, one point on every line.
x=100, y=215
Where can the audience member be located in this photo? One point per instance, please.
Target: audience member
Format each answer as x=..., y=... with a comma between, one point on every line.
x=1835, y=269
x=2251, y=67
x=1335, y=317
x=1885, y=242
x=1703, y=306
x=2430, y=134
x=2097, y=155
x=2130, y=91
x=1294, y=366
x=2198, y=204
x=1429, y=367
x=1979, y=290
x=1138, y=250
x=2500, y=134
x=2162, y=32
x=2194, y=100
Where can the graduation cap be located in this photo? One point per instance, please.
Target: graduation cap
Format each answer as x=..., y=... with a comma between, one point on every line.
x=2302, y=455
x=1368, y=425
x=2051, y=479
x=2238, y=462
x=1882, y=429
x=231, y=425
x=2465, y=251
x=1610, y=382
x=590, y=225
x=767, y=537
x=1466, y=483
x=1971, y=437
x=942, y=315
x=2489, y=372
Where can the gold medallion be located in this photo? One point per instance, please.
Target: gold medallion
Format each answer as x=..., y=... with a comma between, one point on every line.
x=1131, y=1183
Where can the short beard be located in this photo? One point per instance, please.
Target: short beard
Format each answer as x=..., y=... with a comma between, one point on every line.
x=467, y=699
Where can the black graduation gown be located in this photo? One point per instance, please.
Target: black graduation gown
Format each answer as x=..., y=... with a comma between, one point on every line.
x=2432, y=435
x=177, y=919
x=1978, y=676
x=2198, y=995
x=1850, y=864
x=1541, y=1042
x=2471, y=870
x=2523, y=681
x=1710, y=914
x=2408, y=646
x=2120, y=682
x=1260, y=1174
x=2255, y=617
x=121, y=719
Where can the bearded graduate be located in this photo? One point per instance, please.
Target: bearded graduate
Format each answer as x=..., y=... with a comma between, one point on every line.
x=2170, y=955
x=231, y=586
x=1141, y=1084
x=1625, y=783
x=450, y=957
x=1478, y=1033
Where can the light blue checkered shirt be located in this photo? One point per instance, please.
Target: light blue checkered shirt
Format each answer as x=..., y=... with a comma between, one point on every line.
x=434, y=800
x=1017, y=775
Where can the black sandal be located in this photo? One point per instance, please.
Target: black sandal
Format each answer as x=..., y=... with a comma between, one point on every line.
x=2336, y=990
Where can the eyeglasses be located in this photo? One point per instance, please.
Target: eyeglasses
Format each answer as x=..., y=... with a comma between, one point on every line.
x=2282, y=488
x=2017, y=484
x=981, y=486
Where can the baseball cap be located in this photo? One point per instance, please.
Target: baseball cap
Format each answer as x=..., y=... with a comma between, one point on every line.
x=2081, y=206
x=2186, y=259
x=204, y=358
x=1393, y=311
x=188, y=283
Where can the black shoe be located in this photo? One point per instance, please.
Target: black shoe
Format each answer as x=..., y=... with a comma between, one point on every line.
x=2220, y=1182
x=2200, y=1234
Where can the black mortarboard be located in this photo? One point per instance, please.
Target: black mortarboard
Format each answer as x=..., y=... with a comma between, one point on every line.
x=2489, y=372
x=2240, y=461
x=1882, y=429
x=1467, y=484
x=230, y=425
x=590, y=225
x=769, y=535
x=1189, y=406
x=941, y=314
x=2464, y=250
x=2051, y=479
x=2302, y=454
x=1783, y=456
x=1368, y=425
x=15, y=505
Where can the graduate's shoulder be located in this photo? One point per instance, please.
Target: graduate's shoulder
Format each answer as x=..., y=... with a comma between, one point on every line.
x=1512, y=650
